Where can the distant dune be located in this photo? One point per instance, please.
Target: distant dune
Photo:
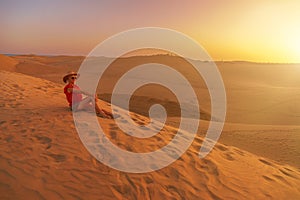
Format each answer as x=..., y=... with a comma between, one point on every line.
x=42, y=156
x=7, y=63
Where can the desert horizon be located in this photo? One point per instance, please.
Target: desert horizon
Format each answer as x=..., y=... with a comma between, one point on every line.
x=149, y=55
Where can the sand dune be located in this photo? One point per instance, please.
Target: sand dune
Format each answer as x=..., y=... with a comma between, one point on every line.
x=273, y=87
x=50, y=68
x=42, y=157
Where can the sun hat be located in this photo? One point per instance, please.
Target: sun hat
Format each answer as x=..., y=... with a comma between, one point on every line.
x=65, y=78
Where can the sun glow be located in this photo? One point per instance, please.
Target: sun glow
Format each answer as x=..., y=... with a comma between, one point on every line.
x=260, y=31
x=294, y=47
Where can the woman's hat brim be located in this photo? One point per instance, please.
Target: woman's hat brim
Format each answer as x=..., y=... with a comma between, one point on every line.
x=65, y=78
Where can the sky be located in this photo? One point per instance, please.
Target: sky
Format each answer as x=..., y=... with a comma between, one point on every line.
x=256, y=30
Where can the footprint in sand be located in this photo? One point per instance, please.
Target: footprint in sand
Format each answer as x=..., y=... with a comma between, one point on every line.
x=286, y=173
x=144, y=127
x=57, y=157
x=268, y=178
x=44, y=140
x=228, y=156
x=265, y=162
x=9, y=138
x=221, y=147
x=113, y=134
x=124, y=121
x=239, y=152
x=114, y=128
x=278, y=177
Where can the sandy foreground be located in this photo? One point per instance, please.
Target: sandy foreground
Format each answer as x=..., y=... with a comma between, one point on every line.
x=42, y=156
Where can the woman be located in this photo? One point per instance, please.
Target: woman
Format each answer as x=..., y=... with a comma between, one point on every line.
x=76, y=100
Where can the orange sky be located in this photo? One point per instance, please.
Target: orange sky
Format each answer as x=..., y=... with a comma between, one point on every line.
x=257, y=30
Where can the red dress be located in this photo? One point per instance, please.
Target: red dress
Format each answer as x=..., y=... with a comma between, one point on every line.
x=76, y=98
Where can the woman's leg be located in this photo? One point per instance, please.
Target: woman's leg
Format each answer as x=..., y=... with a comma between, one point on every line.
x=85, y=104
x=88, y=105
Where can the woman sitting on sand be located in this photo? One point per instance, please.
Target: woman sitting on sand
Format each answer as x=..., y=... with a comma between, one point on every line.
x=75, y=99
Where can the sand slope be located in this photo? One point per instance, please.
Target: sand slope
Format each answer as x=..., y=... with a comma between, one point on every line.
x=42, y=157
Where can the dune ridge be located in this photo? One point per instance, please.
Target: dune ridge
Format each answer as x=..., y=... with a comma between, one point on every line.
x=42, y=157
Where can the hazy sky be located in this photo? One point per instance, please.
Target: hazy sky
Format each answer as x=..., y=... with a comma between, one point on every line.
x=255, y=30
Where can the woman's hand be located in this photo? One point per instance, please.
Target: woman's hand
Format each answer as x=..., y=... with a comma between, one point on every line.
x=76, y=91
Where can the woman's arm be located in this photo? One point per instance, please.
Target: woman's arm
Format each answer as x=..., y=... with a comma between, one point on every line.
x=77, y=91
